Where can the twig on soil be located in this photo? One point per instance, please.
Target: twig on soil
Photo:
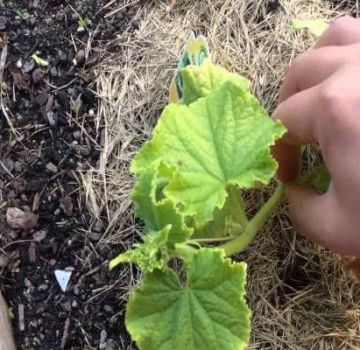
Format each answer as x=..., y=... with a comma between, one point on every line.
x=21, y=314
x=65, y=333
x=61, y=87
x=83, y=130
x=6, y=169
x=121, y=8
x=3, y=107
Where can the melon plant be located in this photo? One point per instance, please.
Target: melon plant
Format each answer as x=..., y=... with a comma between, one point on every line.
x=210, y=144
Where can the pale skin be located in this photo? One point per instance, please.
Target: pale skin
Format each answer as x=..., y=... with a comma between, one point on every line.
x=320, y=103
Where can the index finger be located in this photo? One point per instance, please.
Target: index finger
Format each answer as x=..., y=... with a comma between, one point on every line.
x=299, y=113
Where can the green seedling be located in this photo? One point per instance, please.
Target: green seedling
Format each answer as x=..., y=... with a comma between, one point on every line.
x=205, y=150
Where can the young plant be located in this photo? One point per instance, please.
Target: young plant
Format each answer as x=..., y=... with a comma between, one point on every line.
x=206, y=148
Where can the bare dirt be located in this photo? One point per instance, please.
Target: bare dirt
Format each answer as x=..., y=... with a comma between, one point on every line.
x=48, y=139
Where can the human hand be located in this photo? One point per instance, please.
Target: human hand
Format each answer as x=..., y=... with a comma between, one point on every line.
x=320, y=103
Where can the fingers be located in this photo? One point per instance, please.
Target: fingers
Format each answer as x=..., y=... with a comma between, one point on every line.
x=315, y=66
x=343, y=31
x=299, y=114
x=319, y=218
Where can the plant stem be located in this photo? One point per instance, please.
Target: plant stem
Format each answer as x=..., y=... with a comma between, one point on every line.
x=184, y=251
x=255, y=224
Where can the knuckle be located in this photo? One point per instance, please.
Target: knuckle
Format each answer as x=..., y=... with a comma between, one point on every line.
x=332, y=102
x=342, y=25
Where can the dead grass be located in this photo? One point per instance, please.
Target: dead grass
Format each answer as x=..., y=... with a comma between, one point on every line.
x=300, y=295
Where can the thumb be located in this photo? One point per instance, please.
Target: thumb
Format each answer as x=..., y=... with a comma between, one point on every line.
x=315, y=215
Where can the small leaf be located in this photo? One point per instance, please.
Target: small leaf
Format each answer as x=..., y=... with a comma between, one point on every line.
x=195, y=52
x=40, y=61
x=158, y=214
x=217, y=141
x=201, y=81
x=319, y=178
x=315, y=26
x=149, y=255
x=208, y=313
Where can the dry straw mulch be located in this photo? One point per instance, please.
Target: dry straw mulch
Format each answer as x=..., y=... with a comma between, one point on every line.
x=300, y=296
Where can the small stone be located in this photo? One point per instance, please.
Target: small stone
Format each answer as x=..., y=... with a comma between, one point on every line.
x=38, y=236
x=74, y=16
x=33, y=323
x=67, y=205
x=52, y=118
x=4, y=260
x=17, y=218
x=53, y=72
x=62, y=56
x=85, y=150
x=77, y=135
x=95, y=236
x=80, y=57
x=19, y=63
x=51, y=167
x=28, y=65
x=109, y=309
x=43, y=287
x=3, y=22
x=103, y=342
x=18, y=167
x=74, y=304
x=7, y=166
x=98, y=226
x=41, y=98
x=67, y=306
x=32, y=252
x=60, y=15
x=28, y=283
x=38, y=75
x=76, y=290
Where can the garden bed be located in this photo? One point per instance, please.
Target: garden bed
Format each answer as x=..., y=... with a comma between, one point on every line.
x=299, y=293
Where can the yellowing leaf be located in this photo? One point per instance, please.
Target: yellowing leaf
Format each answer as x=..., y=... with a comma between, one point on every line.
x=315, y=26
x=217, y=141
x=158, y=213
x=40, y=61
x=199, y=82
x=207, y=313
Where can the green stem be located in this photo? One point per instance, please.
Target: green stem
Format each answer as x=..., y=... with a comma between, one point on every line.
x=184, y=252
x=255, y=224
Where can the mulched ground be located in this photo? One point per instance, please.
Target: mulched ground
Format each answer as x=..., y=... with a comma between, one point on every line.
x=48, y=137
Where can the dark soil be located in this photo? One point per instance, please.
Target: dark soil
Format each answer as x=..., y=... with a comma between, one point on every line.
x=48, y=136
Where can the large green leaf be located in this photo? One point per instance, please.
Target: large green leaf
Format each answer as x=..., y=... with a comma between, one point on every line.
x=158, y=213
x=149, y=255
x=207, y=313
x=220, y=140
x=200, y=81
